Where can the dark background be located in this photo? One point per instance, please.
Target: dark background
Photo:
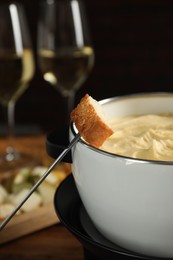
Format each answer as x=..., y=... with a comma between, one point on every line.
x=133, y=42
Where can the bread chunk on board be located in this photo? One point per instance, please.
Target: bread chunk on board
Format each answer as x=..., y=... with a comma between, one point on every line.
x=90, y=121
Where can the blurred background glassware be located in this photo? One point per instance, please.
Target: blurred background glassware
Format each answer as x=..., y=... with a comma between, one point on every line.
x=16, y=70
x=65, y=52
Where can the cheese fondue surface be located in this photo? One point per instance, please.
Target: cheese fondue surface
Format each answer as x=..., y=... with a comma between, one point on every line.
x=145, y=137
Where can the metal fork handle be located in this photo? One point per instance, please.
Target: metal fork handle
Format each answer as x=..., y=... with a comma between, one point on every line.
x=59, y=158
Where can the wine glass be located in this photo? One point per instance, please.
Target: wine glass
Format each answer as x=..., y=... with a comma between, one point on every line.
x=16, y=70
x=65, y=52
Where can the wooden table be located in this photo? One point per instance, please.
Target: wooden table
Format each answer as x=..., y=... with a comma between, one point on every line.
x=53, y=242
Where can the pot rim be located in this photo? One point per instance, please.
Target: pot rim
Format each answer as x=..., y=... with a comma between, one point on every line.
x=126, y=158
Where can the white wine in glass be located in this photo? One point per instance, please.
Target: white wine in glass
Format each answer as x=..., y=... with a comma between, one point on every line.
x=16, y=70
x=65, y=52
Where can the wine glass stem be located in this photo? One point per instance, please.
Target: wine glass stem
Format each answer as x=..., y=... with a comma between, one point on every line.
x=10, y=118
x=11, y=154
x=69, y=102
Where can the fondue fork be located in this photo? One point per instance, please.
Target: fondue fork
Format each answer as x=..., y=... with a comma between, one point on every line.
x=87, y=114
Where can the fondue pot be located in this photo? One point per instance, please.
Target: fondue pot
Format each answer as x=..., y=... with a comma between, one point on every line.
x=129, y=201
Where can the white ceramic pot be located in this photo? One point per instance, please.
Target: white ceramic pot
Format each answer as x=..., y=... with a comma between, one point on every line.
x=130, y=201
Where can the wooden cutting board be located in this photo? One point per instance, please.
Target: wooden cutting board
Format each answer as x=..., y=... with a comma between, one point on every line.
x=43, y=216
x=27, y=223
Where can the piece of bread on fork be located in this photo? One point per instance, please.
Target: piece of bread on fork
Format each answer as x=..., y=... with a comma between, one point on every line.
x=90, y=121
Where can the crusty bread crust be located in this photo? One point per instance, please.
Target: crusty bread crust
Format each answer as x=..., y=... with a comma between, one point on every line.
x=91, y=126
